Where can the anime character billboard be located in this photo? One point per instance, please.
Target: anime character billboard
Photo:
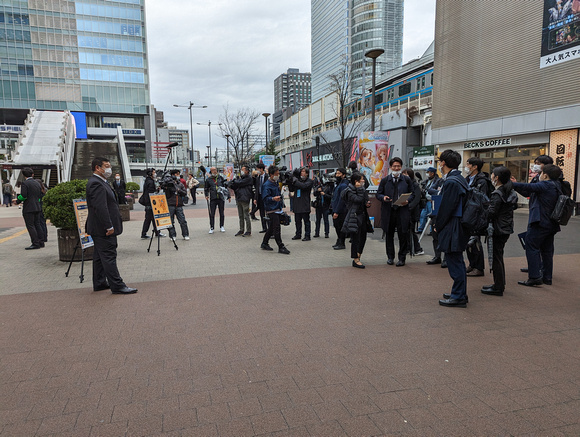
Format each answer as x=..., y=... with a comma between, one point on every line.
x=373, y=156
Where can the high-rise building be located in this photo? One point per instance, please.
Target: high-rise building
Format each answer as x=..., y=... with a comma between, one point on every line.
x=343, y=30
x=292, y=90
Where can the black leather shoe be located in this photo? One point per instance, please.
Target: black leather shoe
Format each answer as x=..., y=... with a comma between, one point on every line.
x=126, y=290
x=32, y=247
x=263, y=231
x=42, y=244
x=339, y=247
x=358, y=266
x=255, y=218
x=475, y=272
x=316, y=236
x=547, y=281
x=448, y=296
x=531, y=282
x=460, y=303
x=390, y=261
x=266, y=246
x=524, y=270
x=492, y=291
x=247, y=234
x=237, y=234
x=296, y=237
x=105, y=287
x=306, y=239
x=326, y=236
x=400, y=263
x=434, y=260
x=283, y=250
x=443, y=264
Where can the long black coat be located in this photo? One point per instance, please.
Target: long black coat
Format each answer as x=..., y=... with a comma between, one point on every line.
x=32, y=192
x=356, y=200
x=103, y=208
x=387, y=188
x=452, y=237
x=120, y=191
x=502, y=203
x=302, y=204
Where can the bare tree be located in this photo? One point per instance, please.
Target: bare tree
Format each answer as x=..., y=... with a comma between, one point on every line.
x=341, y=85
x=240, y=126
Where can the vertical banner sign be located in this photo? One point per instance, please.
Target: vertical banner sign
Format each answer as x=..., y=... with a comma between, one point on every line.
x=564, y=150
x=423, y=157
x=267, y=160
x=81, y=213
x=560, y=32
x=373, y=156
x=160, y=211
x=229, y=171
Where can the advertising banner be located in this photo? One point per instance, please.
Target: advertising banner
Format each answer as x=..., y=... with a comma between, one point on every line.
x=423, y=157
x=160, y=211
x=560, y=32
x=81, y=214
x=373, y=156
x=229, y=171
x=267, y=160
x=564, y=150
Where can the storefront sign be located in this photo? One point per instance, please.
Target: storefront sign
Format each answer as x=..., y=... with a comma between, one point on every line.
x=323, y=158
x=560, y=32
x=7, y=128
x=564, y=150
x=423, y=157
x=81, y=214
x=497, y=142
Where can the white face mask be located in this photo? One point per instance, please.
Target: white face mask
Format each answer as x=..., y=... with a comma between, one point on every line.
x=536, y=168
x=108, y=172
x=396, y=173
x=467, y=169
x=117, y=178
x=275, y=178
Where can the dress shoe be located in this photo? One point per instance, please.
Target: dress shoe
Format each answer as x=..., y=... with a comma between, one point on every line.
x=283, y=250
x=126, y=290
x=306, y=239
x=475, y=272
x=358, y=266
x=390, y=261
x=524, y=270
x=531, y=282
x=32, y=247
x=237, y=234
x=339, y=247
x=469, y=269
x=460, y=303
x=104, y=287
x=489, y=287
x=255, y=218
x=263, y=231
x=41, y=244
x=443, y=264
x=316, y=236
x=492, y=291
x=247, y=234
x=400, y=263
x=547, y=281
x=296, y=237
x=326, y=236
x=434, y=260
x=266, y=246
x=448, y=296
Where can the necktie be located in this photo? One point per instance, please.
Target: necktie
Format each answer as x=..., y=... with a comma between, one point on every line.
x=396, y=192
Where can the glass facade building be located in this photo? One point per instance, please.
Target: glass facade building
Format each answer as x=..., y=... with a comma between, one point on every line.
x=87, y=56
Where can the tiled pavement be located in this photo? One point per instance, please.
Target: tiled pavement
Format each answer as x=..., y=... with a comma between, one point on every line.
x=224, y=339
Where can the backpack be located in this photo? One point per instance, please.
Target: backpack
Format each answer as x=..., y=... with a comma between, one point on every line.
x=564, y=207
x=566, y=188
x=475, y=217
x=7, y=189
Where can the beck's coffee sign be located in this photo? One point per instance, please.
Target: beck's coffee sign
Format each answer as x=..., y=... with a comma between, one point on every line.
x=496, y=142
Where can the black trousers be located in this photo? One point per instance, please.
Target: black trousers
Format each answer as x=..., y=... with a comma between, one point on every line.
x=302, y=217
x=415, y=244
x=105, y=263
x=34, y=227
x=193, y=192
x=436, y=250
x=273, y=230
x=213, y=204
x=338, y=223
x=148, y=221
x=498, y=266
x=540, y=251
x=322, y=215
x=358, y=241
x=260, y=206
x=395, y=223
x=475, y=255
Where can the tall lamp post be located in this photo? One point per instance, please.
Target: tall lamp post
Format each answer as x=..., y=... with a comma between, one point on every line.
x=227, y=147
x=209, y=133
x=373, y=54
x=190, y=106
x=266, y=115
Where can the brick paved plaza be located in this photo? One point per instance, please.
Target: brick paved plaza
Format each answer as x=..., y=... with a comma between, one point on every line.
x=225, y=339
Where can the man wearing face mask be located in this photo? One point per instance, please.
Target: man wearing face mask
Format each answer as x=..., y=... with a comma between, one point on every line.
x=104, y=224
x=119, y=187
x=149, y=187
x=243, y=186
x=395, y=216
x=216, y=193
x=338, y=207
x=175, y=193
x=273, y=204
x=302, y=190
x=480, y=181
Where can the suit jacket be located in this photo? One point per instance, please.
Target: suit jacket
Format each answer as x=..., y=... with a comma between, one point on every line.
x=452, y=237
x=103, y=208
x=259, y=182
x=387, y=188
x=120, y=191
x=32, y=192
x=543, y=197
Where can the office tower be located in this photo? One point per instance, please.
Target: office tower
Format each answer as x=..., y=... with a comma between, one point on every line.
x=292, y=90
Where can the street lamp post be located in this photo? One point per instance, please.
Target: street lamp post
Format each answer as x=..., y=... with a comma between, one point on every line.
x=373, y=54
x=227, y=147
x=266, y=115
x=209, y=133
x=190, y=106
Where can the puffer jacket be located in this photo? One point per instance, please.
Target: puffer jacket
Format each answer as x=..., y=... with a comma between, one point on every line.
x=502, y=203
x=356, y=200
x=244, y=188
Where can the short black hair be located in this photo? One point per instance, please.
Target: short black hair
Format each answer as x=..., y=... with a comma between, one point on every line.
x=544, y=159
x=352, y=165
x=476, y=162
x=418, y=176
x=149, y=171
x=261, y=165
x=356, y=176
x=98, y=162
x=27, y=172
x=553, y=171
x=272, y=169
x=503, y=174
x=342, y=170
x=451, y=157
x=174, y=171
x=409, y=172
x=395, y=159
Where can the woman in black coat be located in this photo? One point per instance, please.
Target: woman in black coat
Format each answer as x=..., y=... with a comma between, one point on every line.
x=357, y=219
x=502, y=203
x=415, y=212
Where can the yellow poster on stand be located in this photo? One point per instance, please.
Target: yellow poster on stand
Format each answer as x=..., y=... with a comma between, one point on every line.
x=81, y=214
x=160, y=211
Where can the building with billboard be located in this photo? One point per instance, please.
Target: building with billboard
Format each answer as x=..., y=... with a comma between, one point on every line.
x=508, y=102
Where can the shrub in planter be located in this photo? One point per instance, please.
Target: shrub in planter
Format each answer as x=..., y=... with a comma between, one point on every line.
x=132, y=186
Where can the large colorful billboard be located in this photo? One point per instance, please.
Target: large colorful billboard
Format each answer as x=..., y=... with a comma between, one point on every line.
x=373, y=156
x=560, y=32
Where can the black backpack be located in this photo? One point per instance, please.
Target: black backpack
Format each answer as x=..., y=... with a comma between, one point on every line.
x=564, y=206
x=475, y=217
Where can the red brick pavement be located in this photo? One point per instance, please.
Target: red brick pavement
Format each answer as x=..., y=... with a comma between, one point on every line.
x=323, y=352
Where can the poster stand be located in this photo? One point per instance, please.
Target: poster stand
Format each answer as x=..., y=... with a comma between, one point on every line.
x=161, y=220
x=82, y=276
x=85, y=240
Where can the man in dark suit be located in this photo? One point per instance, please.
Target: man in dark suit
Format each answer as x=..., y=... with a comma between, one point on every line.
x=30, y=194
x=120, y=189
x=395, y=216
x=259, y=182
x=452, y=238
x=539, y=240
x=104, y=224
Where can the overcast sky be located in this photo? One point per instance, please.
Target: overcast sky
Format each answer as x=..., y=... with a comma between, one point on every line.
x=226, y=52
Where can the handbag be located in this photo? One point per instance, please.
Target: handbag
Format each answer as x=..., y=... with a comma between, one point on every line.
x=142, y=200
x=285, y=219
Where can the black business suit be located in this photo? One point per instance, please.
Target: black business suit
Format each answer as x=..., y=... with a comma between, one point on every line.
x=31, y=191
x=103, y=215
x=120, y=191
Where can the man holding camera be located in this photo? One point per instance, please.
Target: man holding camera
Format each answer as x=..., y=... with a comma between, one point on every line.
x=149, y=187
x=339, y=208
x=274, y=205
x=216, y=193
x=175, y=192
x=302, y=189
x=243, y=187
